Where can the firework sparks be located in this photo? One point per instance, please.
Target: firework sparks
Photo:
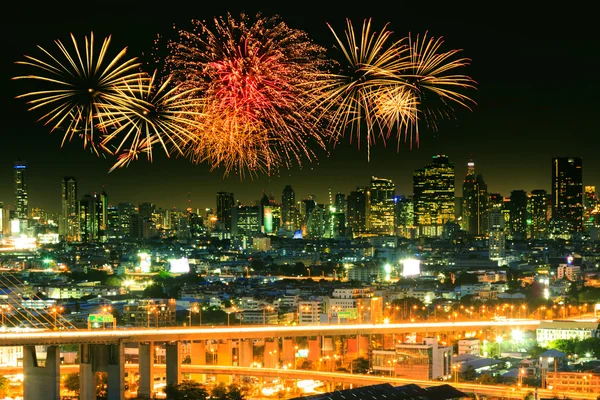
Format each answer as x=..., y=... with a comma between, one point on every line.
x=383, y=85
x=149, y=113
x=253, y=74
x=78, y=86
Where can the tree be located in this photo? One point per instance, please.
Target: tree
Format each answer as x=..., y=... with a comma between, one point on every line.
x=219, y=392
x=71, y=382
x=113, y=281
x=235, y=392
x=486, y=379
x=4, y=386
x=360, y=365
x=469, y=374
x=186, y=390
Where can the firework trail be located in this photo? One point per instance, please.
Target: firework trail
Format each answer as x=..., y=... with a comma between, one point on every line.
x=253, y=75
x=385, y=85
x=77, y=86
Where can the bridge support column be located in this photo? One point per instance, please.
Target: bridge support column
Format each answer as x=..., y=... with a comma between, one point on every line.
x=146, y=370
x=87, y=376
x=198, y=357
x=173, y=363
x=116, y=372
x=41, y=382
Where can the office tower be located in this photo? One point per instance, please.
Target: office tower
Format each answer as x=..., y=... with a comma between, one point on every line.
x=93, y=217
x=288, y=203
x=382, y=209
x=518, y=214
x=433, y=196
x=567, y=194
x=225, y=206
x=127, y=215
x=475, y=202
x=357, y=211
x=69, y=223
x=145, y=225
x=340, y=202
x=315, y=222
x=537, y=210
x=21, y=207
x=247, y=220
x=590, y=207
x=113, y=219
x=405, y=216
x=495, y=201
x=497, y=235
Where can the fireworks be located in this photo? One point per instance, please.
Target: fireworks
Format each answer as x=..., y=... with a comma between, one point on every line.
x=149, y=113
x=78, y=86
x=248, y=95
x=253, y=73
x=384, y=85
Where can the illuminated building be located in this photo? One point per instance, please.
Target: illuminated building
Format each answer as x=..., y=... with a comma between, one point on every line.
x=145, y=225
x=433, y=196
x=405, y=217
x=340, y=202
x=271, y=214
x=69, y=223
x=93, y=217
x=288, y=205
x=3, y=217
x=537, y=222
x=357, y=211
x=382, y=206
x=315, y=222
x=495, y=201
x=113, y=230
x=590, y=207
x=247, y=220
x=420, y=361
x=497, y=235
x=518, y=214
x=567, y=194
x=309, y=312
x=150, y=313
x=127, y=215
x=22, y=208
x=225, y=206
x=475, y=202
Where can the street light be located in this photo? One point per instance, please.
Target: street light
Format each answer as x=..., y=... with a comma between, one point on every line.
x=55, y=311
x=106, y=310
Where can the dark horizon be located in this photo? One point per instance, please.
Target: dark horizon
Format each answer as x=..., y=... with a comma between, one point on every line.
x=535, y=101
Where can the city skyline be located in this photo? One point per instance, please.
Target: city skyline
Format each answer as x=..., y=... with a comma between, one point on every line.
x=524, y=117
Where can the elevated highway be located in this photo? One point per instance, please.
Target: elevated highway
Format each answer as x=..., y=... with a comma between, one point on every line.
x=116, y=336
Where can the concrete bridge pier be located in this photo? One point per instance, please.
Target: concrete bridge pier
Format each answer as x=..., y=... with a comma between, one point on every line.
x=146, y=370
x=173, y=363
x=116, y=371
x=41, y=382
x=87, y=376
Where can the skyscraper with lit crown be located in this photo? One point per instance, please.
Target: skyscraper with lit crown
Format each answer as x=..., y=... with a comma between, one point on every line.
x=21, y=203
x=475, y=198
x=433, y=196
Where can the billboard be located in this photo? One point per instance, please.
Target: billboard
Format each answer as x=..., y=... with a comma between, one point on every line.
x=179, y=265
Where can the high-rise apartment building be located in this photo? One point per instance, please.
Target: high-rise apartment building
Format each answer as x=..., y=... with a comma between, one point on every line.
x=405, y=217
x=21, y=199
x=567, y=194
x=591, y=207
x=497, y=235
x=537, y=210
x=340, y=202
x=357, y=211
x=433, y=198
x=69, y=223
x=288, y=205
x=382, y=208
x=225, y=206
x=518, y=214
x=475, y=202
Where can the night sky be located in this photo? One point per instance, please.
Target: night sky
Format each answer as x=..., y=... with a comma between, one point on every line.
x=536, y=99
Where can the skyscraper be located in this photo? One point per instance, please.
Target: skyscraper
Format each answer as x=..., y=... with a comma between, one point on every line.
x=475, y=202
x=357, y=211
x=497, y=235
x=225, y=205
x=382, y=208
x=69, y=223
x=433, y=198
x=93, y=217
x=518, y=214
x=567, y=194
x=288, y=203
x=21, y=207
x=537, y=221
